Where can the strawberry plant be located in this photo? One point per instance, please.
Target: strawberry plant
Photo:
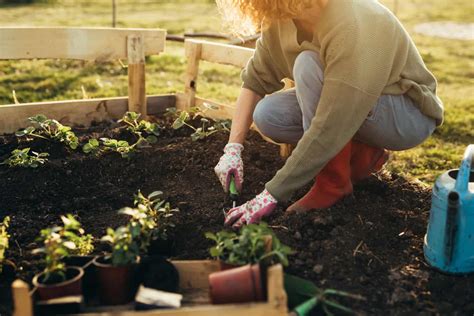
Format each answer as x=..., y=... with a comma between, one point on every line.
x=144, y=130
x=119, y=146
x=146, y=133
x=4, y=236
x=60, y=242
x=249, y=246
x=23, y=158
x=49, y=129
x=206, y=128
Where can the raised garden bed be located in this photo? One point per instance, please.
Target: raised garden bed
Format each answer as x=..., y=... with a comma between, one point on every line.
x=370, y=244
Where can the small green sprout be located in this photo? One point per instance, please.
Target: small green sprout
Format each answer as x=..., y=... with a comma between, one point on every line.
x=120, y=146
x=49, y=129
x=23, y=158
x=92, y=147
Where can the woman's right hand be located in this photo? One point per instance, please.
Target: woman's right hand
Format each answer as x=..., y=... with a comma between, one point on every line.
x=231, y=164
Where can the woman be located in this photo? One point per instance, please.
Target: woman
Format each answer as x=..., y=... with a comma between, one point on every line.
x=361, y=88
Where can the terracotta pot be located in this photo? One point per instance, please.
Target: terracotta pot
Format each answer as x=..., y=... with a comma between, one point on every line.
x=227, y=266
x=71, y=286
x=239, y=285
x=116, y=285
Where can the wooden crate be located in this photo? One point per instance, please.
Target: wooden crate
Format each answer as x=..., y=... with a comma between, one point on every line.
x=195, y=288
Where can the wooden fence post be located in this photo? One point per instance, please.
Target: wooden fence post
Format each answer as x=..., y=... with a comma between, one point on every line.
x=193, y=55
x=22, y=303
x=136, y=75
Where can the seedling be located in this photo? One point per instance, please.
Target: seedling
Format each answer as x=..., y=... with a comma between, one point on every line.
x=125, y=249
x=120, y=146
x=141, y=225
x=159, y=210
x=92, y=147
x=60, y=242
x=249, y=246
x=143, y=129
x=206, y=129
x=23, y=158
x=4, y=236
x=49, y=129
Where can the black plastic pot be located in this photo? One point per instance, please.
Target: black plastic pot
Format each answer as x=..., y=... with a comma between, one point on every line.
x=157, y=273
x=162, y=247
x=56, y=287
x=116, y=285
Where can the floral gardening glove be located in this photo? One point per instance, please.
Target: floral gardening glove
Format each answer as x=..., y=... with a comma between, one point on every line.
x=231, y=164
x=252, y=211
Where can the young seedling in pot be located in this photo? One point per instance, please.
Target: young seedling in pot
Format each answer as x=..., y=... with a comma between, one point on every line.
x=4, y=244
x=60, y=242
x=159, y=210
x=23, y=158
x=49, y=129
x=116, y=271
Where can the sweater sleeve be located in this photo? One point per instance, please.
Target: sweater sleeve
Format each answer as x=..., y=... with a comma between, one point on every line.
x=261, y=74
x=346, y=100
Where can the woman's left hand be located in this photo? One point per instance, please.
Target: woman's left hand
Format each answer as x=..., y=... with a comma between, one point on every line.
x=252, y=211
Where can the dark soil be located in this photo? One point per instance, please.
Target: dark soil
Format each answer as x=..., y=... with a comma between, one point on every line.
x=369, y=244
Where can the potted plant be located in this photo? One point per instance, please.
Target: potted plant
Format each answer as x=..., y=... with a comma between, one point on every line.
x=252, y=250
x=4, y=243
x=116, y=271
x=59, y=242
x=255, y=243
x=161, y=213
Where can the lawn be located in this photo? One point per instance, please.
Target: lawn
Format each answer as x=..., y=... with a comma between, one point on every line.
x=451, y=61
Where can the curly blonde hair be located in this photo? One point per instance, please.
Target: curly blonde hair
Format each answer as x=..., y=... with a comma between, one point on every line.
x=243, y=17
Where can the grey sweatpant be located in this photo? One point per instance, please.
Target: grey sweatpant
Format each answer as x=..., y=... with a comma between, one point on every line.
x=394, y=123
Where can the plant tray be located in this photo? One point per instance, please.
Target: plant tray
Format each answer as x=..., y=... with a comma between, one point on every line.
x=193, y=286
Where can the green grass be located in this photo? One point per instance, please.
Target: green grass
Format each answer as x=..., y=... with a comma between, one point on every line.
x=451, y=61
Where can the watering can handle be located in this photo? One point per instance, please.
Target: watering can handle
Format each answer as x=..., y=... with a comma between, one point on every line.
x=462, y=181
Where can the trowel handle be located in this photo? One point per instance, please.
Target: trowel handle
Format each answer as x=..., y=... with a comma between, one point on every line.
x=462, y=181
x=234, y=194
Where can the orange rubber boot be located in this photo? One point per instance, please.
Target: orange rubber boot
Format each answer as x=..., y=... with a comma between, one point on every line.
x=366, y=160
x=332, y=184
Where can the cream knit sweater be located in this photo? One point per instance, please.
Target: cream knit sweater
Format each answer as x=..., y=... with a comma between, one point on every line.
x=365, y=52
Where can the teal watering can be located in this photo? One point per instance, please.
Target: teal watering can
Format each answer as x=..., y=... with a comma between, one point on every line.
x=449, y=241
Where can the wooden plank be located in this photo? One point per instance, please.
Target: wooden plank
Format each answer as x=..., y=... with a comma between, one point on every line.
x=193, y=55
x=22, y=301
x=75, y=43
x=195, y=273
x=136, y=74
x=77, y=112
x=254, y=309
x=223, y=53
x=276, y=291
